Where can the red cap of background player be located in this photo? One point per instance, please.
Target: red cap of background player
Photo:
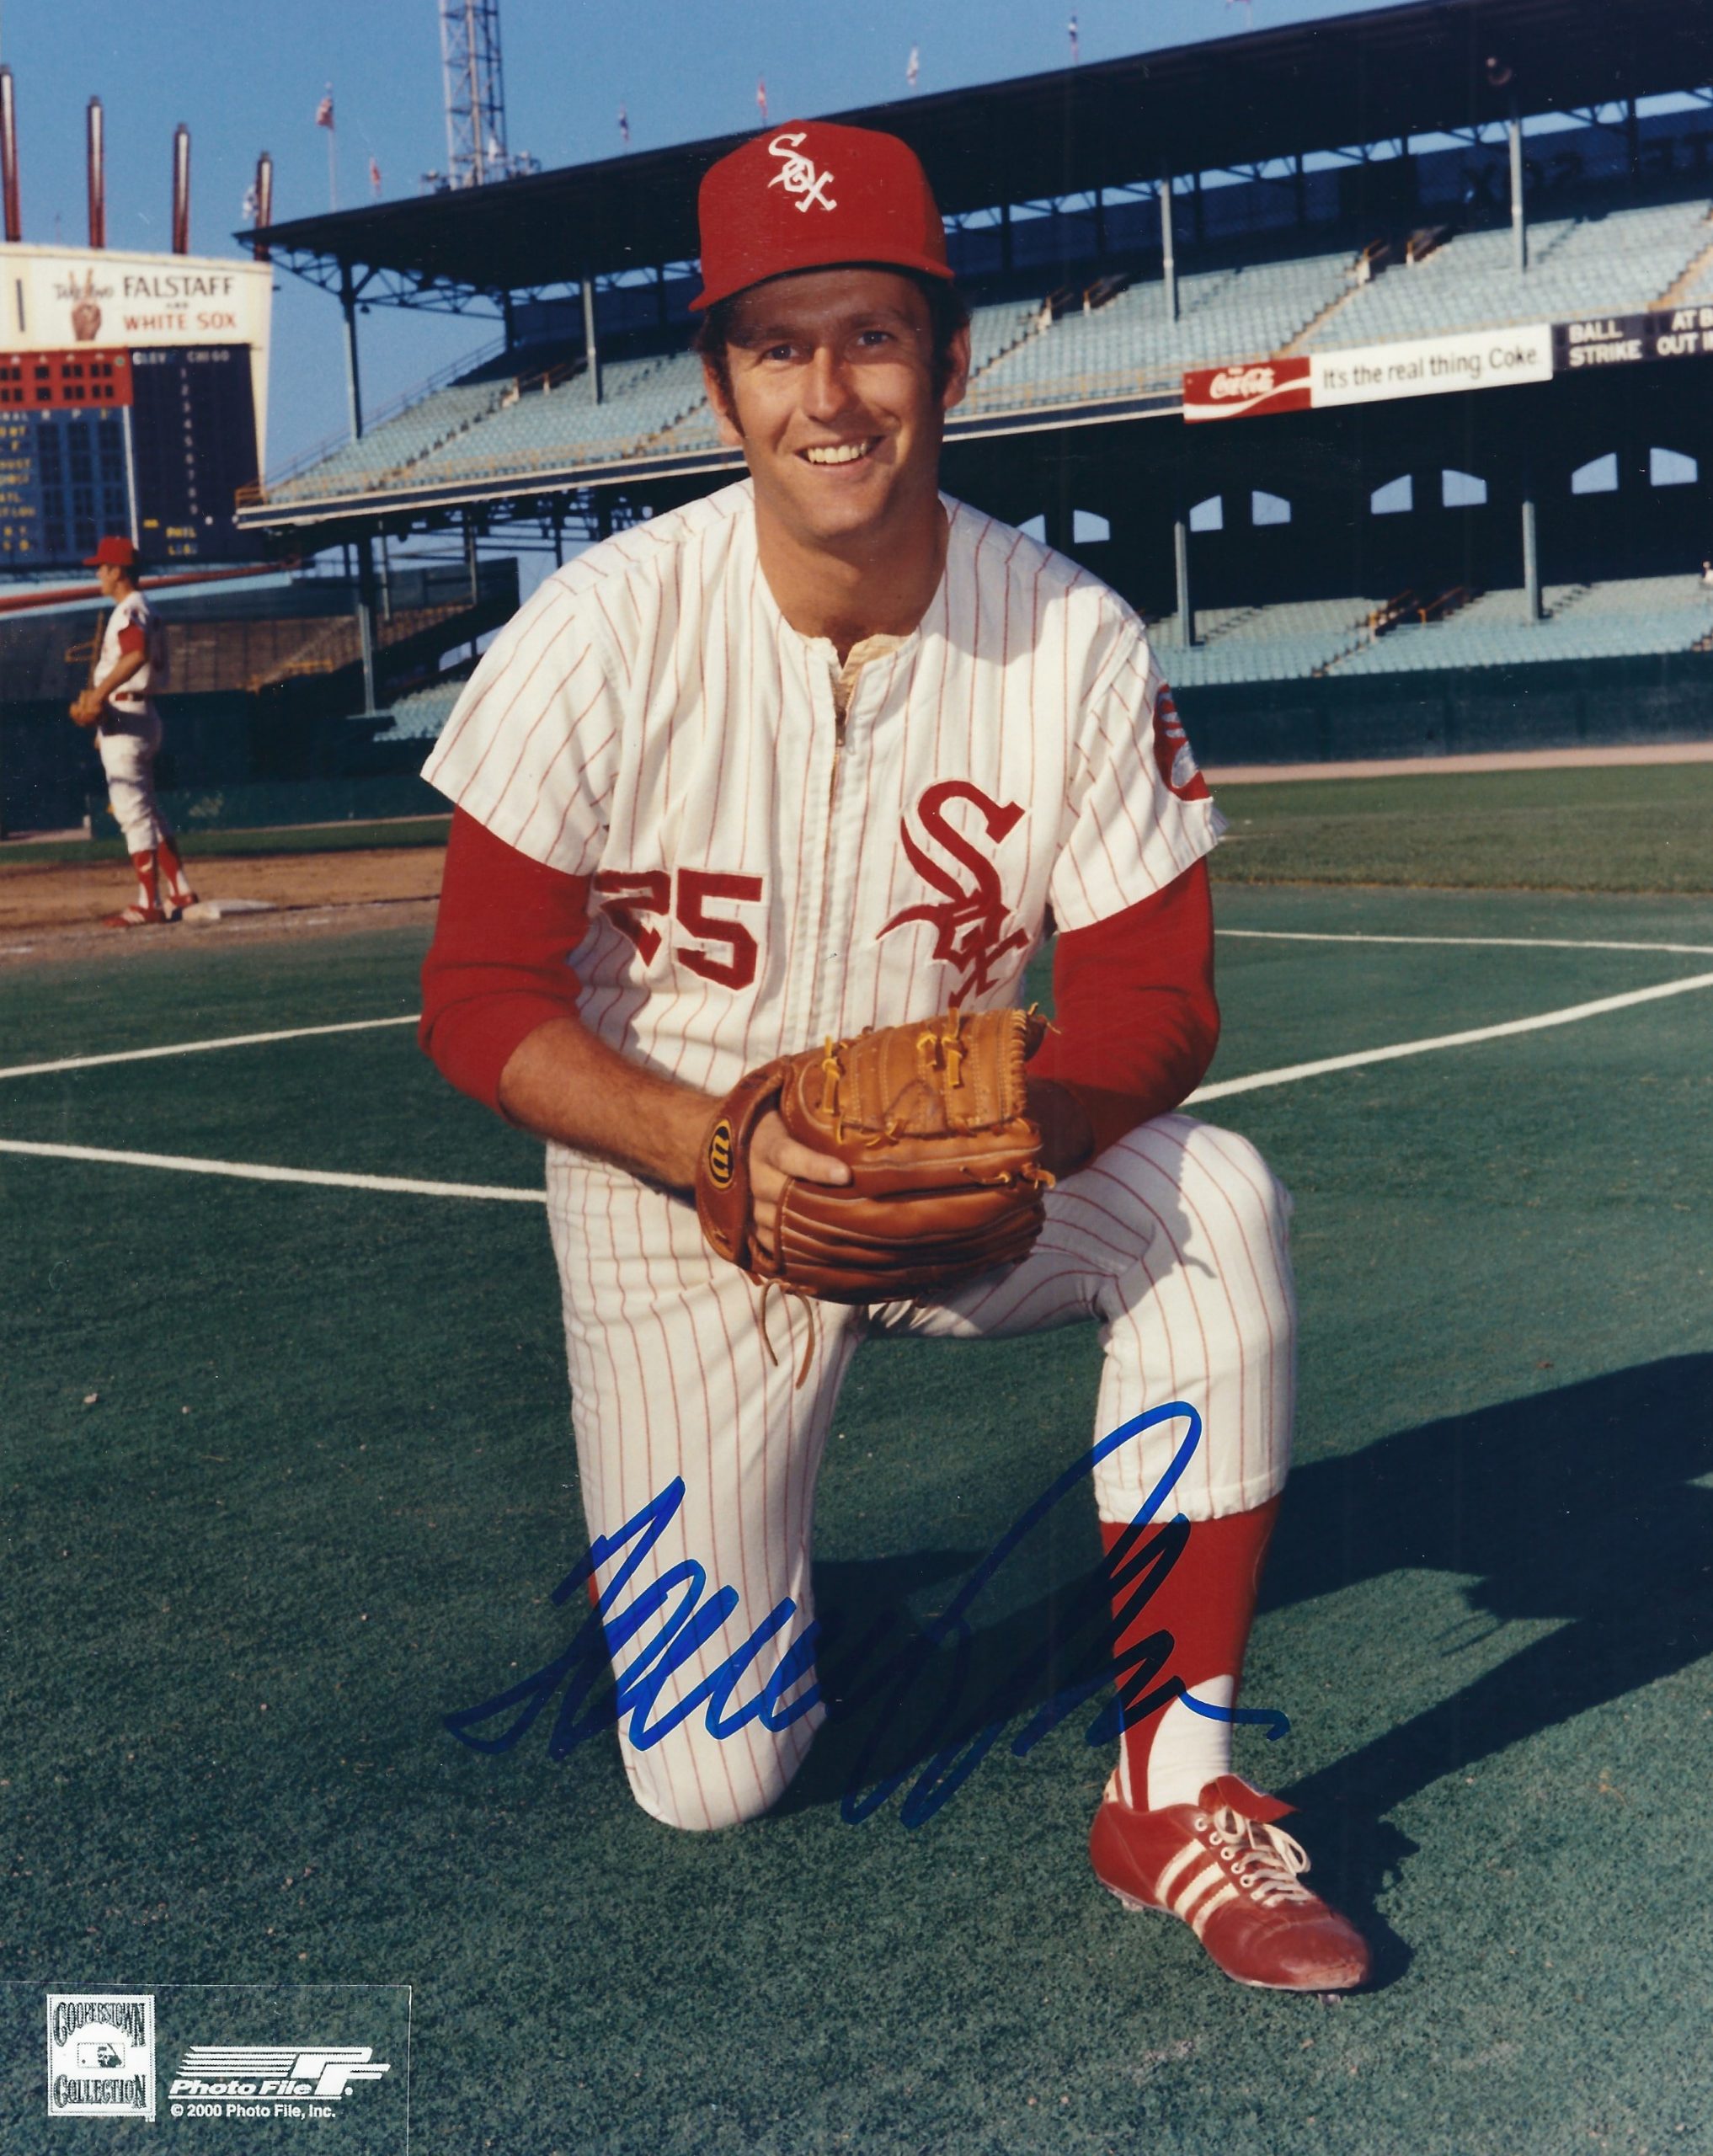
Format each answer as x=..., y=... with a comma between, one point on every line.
x=811, y=195
x=114, y=552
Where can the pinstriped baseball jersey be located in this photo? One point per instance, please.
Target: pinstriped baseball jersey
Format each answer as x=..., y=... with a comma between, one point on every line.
x=764, y=870
x=777, y=848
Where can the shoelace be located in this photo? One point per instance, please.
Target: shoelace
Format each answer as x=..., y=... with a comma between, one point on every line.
x=1270, y=1860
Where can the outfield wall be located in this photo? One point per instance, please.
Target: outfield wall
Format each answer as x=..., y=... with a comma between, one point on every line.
x=49, y=777
x=1567, y=705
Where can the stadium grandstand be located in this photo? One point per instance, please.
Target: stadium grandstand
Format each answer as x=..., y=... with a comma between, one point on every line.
x=1370, y=357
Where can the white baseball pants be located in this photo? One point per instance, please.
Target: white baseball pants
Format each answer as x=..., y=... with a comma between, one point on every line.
x=1174, y=1241
x=128, y=759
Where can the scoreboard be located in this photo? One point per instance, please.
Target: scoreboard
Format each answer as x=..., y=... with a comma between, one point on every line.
x=133, y=394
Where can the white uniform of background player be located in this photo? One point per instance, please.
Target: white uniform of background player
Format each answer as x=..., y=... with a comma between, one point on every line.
x=787, y=835
x=128, y=735
x=130, y=670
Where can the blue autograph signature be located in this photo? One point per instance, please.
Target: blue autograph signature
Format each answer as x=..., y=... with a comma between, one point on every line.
x=668, y=1622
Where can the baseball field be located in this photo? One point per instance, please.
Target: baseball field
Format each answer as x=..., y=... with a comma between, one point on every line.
x=288, y=1482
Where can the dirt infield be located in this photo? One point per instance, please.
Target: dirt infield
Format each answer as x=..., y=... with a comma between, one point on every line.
x=47, y=906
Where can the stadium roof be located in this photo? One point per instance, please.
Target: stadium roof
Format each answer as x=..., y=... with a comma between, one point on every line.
x=1227, y=103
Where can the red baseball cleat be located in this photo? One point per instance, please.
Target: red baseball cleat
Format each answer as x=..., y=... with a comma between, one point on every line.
x=178, y=901
x=134, y=917
x=1228, y=1871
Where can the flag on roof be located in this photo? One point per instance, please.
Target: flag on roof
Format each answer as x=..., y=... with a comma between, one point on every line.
x=323, y=111
x=761, y=97
x=913, y=67
x=375, y=177
x=624, y=124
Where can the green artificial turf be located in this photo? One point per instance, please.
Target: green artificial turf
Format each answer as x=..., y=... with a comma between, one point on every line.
x=1645, y=827
x=325, y=1488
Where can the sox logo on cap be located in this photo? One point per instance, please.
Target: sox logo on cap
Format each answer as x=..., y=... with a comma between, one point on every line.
x=799, y=176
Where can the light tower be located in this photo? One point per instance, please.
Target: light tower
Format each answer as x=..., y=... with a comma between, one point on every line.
x=475, y=145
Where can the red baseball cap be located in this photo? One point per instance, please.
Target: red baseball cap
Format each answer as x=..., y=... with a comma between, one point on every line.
x=812, y=195
x=114, y=551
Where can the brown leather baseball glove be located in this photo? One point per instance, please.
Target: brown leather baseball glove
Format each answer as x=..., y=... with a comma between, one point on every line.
x=932, y=1120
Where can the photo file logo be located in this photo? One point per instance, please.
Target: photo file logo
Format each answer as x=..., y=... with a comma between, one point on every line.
x=278, y=2070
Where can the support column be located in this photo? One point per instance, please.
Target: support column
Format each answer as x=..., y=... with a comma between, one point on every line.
x=1168, y=252
x=353, y=381
x=1180, y=564
x=1006, y=238
x=591, y=345
x=364, y=545
x=471, y=567
x=1531, y=551
x=1519, y=227
x=365, y=619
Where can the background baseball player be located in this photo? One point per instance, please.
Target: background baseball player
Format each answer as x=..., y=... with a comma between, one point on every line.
x=129, y=667
x=825, y=752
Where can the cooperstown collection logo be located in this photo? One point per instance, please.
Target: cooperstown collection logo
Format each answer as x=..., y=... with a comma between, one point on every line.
x=798, y=175
x=101, y=2055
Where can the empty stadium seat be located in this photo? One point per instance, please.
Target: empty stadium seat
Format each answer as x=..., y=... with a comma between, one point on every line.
x=1638, y=617
x=1131, y=342
x=1264, y=643
x=1623, y=262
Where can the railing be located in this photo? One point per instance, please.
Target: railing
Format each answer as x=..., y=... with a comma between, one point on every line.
x=1447, y=602
x=257, y=490
x=1104, y=289
x=1390, y=612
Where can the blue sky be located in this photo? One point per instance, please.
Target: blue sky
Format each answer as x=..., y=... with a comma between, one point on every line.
x=246, y=75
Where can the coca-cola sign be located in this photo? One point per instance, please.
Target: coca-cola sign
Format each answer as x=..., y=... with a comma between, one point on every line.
x=1234, y=392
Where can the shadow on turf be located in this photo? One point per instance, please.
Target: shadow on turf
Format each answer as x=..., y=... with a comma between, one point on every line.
x=1572, y=1505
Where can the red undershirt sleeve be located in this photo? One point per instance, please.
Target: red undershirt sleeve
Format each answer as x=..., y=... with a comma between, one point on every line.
x=498, y=965
x=132, y=638
x=1135, y=1018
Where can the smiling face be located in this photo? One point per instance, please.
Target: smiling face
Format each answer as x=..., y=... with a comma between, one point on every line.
x=832, y=393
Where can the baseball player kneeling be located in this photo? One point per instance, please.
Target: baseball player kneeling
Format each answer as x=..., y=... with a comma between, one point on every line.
x=762, y=809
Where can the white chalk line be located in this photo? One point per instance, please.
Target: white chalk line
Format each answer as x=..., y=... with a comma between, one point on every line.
x=254, y=1171
x=201, y=1047
x=1287, y=1075
x=1569, y=1016
x=1253, y=935
x=1460, y=942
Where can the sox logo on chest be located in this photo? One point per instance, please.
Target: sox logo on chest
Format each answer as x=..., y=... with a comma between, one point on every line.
x=969, y=918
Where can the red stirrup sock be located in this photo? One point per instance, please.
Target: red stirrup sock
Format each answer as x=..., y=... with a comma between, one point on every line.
x=148, y=881
x=1205, y=1600
x=170, y=862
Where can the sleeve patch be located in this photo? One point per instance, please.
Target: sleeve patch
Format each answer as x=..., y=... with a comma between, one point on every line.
x=1172, y=751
